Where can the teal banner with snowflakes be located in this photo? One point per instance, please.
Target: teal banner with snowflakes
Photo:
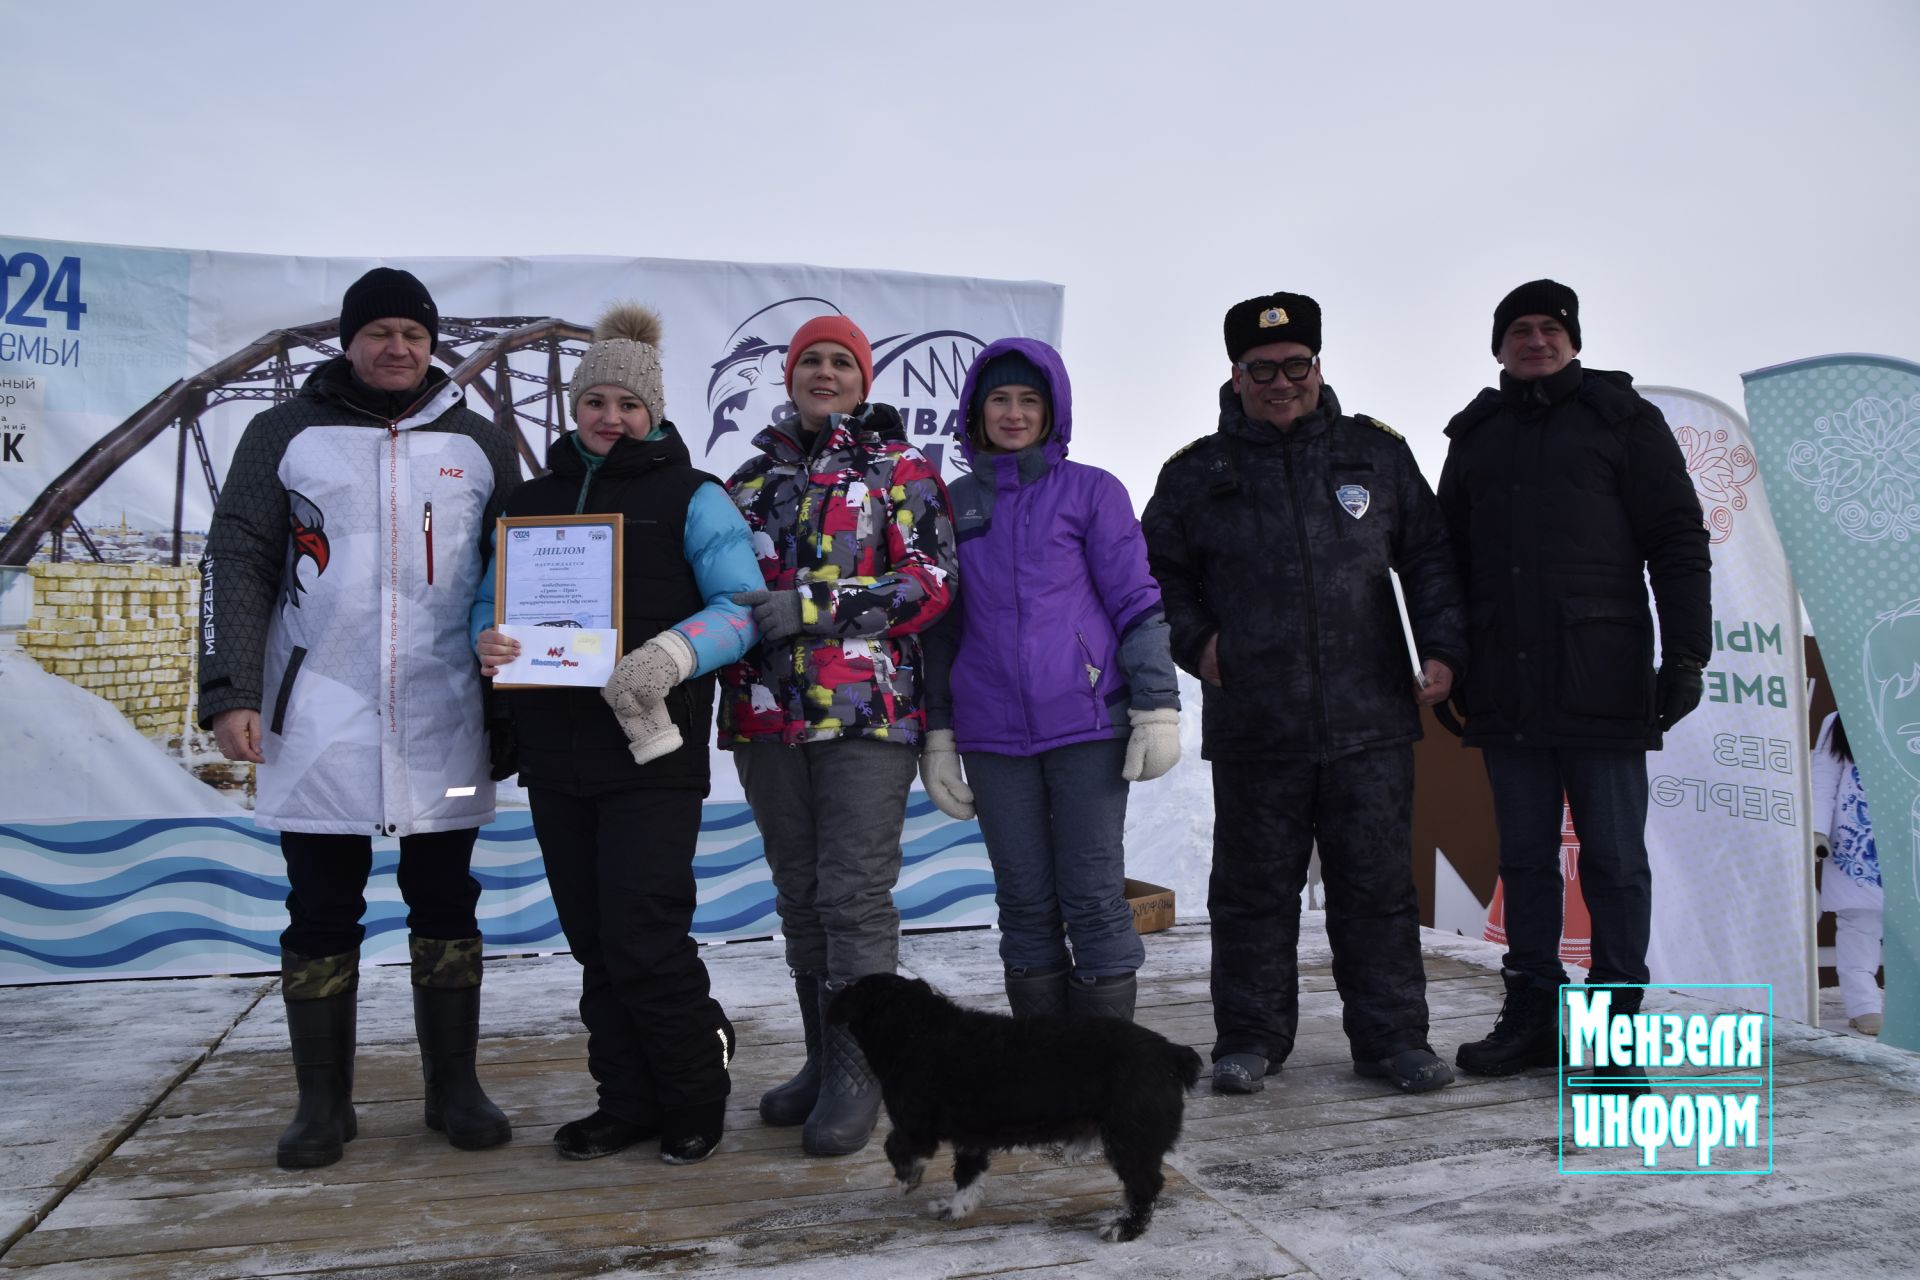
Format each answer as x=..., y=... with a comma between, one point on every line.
x=1838, y=439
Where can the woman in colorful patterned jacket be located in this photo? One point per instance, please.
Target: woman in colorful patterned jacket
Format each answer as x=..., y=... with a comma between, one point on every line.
x=1053, y=675
x=824, y=719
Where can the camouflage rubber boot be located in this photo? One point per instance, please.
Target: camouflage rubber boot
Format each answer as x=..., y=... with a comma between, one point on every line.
x=1029, y=993
x=320, y=994
x=1110, y=997
x=446, y=1017
x=791, y=1103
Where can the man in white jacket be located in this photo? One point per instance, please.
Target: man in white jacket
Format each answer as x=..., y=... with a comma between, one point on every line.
x=343, y=556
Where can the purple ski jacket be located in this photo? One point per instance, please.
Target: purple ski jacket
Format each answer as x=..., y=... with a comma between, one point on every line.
x=1057, y=628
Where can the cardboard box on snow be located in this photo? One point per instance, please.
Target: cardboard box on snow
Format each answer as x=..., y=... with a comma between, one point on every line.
x=1152, y=906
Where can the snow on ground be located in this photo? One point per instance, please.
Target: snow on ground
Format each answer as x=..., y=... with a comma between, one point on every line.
x=84, y=1061
x=1464, y=1185
x=71, y=756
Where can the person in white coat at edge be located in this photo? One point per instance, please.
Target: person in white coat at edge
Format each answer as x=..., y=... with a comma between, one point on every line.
x=1850, y=883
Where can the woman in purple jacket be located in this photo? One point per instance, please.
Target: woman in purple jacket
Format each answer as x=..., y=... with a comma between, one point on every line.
x=1052, y=675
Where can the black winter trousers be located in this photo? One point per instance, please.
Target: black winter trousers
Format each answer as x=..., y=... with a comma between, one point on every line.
x=620, y=867
x=1267, y=816
x=327, y=876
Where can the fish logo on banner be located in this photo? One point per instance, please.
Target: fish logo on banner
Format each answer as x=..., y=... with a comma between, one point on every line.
x=920, y=374
x=1354, y=499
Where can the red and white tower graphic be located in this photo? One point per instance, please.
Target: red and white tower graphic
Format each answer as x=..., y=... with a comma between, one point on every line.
x=1576, y=926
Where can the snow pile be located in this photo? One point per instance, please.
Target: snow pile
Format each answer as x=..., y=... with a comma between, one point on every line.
x=72, y=756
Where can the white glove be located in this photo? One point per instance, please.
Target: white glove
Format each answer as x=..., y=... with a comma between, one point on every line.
x=1154, y=745
x=940, y=775
x=637, y=692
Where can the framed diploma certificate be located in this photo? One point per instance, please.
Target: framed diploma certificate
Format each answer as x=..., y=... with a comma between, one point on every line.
x=556, y=589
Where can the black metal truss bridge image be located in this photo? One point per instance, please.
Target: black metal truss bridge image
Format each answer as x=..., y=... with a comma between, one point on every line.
x=478, y=353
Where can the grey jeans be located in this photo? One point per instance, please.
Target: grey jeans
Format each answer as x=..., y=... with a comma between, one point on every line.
x=830, y=816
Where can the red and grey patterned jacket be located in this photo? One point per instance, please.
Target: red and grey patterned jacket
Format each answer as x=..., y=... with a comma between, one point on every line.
x=860, y=526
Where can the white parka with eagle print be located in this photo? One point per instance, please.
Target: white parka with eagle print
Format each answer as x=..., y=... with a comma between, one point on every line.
x=343, y=557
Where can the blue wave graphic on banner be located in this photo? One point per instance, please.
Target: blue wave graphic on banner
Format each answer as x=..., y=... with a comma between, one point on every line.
x=183, y=896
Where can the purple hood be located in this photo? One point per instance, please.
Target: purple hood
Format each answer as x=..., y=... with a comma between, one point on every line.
x=1053, y=575
x=1050, y=364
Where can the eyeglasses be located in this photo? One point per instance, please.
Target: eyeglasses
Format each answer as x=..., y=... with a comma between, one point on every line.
x=1263, y=371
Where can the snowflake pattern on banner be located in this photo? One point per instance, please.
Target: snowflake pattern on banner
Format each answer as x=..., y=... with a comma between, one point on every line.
x=1721, y=472
x=1864, y=467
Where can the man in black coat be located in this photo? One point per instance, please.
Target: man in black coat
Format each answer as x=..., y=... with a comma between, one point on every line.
x=1274, y=540
x=1564, y=492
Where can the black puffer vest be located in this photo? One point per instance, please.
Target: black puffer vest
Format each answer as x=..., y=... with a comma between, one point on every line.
x=568, y=738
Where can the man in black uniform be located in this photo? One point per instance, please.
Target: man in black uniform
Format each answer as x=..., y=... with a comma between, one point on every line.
x=1273, y=539
x=1564, y=492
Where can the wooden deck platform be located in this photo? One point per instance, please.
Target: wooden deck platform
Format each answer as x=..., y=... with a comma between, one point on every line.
x=1322, y=1174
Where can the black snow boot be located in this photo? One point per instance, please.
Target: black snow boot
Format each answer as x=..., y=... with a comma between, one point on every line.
x=320, y=993
x=791, y=1103
x=446, y=1018
x=1111, y=997
x=1620, y=1077
x=849, y=1104
x=689, y=1132
x=599, y=1134
x=1526, y=1034
x=1029, y=993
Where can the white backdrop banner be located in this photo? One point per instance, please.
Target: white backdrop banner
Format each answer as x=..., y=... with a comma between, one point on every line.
x=1727, y=835
x=127, y=376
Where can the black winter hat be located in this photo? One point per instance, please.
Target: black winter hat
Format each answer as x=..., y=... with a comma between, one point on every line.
x=1538, y=298
x=1010, y=369
x=1277, y=317
x=384, y=292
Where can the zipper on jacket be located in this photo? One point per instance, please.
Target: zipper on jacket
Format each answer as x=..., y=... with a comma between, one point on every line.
x=1093, y=680
x=1022, y=548
x=426, y=530
x=392, y=673
x=1313, y=609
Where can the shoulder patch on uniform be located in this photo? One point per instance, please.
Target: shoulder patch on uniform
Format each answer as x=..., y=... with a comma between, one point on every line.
x=1184, y=450
x=1378, y=425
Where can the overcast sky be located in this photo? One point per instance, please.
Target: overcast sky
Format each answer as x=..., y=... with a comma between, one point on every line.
x=1727, y=185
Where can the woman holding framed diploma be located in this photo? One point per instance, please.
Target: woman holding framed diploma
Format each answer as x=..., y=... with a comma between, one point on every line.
x=850, y=525
x=615, y=777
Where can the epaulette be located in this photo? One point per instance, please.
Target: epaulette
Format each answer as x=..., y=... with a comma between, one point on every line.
x=1378, y=425
x=1185, y=449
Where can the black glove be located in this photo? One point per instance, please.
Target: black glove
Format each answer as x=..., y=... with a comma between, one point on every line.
x=1677, y=692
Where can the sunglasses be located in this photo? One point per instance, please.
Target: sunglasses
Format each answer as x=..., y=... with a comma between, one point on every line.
x=1263, y=371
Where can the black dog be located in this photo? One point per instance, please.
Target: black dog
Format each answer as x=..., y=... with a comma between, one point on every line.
x=986, y=1082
